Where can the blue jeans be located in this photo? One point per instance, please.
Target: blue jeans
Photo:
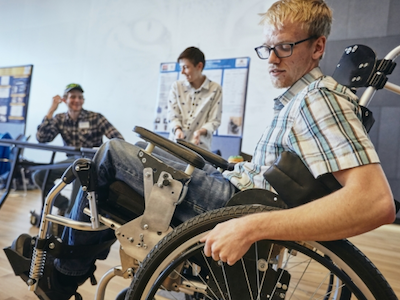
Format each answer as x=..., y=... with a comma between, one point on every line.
x=118, y=160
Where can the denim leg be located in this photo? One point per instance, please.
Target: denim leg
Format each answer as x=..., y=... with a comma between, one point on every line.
x=117, y=160
x=76, y=267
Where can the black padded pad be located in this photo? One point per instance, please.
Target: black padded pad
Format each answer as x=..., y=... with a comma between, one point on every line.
x=355, y=66
x=179, y=151
x=292, y=180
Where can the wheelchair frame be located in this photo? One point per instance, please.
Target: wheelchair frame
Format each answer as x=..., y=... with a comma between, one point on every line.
x=139, y=236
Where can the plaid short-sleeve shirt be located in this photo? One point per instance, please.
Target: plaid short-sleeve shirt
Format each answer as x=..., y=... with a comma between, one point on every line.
x=320, y=121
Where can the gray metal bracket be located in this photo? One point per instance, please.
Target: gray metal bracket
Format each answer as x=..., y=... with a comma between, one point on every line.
x=140, y=235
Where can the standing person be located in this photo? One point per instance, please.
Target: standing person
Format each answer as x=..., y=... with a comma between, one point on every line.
x=78, y=128
x=316, y=118
x=195, y=103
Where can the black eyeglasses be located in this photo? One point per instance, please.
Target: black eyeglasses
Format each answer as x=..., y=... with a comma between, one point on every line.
x=281, y=50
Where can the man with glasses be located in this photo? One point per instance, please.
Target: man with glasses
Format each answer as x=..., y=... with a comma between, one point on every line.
x=78, y=128
x=319, y=120
x=315, y=117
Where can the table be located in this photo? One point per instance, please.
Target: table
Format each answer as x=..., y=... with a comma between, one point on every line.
x=19, y=145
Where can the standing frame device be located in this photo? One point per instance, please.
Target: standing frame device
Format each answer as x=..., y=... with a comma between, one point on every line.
x=169, y=263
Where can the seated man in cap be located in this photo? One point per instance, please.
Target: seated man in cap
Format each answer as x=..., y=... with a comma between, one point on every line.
x=78, y=128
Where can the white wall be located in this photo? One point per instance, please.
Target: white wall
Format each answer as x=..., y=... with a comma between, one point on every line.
x=113, y=48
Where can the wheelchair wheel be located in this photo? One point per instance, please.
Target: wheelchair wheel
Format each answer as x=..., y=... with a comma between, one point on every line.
x=178, y=269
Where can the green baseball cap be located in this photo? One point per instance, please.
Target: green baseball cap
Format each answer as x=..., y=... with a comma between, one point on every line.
x=73, y=86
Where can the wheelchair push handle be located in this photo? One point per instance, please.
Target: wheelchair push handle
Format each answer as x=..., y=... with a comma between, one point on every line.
x=179, y=151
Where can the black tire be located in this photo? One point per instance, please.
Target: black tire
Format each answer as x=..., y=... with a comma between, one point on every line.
x=330, y=270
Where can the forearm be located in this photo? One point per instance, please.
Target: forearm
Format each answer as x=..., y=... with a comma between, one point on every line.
x=50, y=114
x=109, y=130
x=54, y=105
x=358, y=207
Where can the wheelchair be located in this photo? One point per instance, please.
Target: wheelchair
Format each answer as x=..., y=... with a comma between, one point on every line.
x=163, y=257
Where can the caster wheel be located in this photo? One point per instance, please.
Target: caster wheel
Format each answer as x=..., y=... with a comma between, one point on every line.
x=34, y=218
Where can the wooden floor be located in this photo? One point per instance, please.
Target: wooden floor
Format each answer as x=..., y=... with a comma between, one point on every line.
x=381, y=246
x=14, y=220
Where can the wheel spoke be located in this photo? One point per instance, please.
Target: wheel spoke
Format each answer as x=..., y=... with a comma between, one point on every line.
x=214, y=277
x=247, y=278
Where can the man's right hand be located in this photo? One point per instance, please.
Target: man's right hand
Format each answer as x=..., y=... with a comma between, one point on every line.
x=54, y=105
x=179, y=134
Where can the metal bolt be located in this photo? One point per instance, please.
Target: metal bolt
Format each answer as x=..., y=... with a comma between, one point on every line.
x=279, y=285
x=148, y=174
x=145, y=226
x=275, y=199
x=84, y=188
x=144, y=246
x=284, y=287
x=131, y=239
x=143, y=160
x=52, y=246
x=282, y=295
x=262, y=265
x=141, y=154
x=77, y=168
x=118, y=233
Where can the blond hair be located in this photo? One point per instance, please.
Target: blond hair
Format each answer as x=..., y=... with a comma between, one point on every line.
x=314, y=16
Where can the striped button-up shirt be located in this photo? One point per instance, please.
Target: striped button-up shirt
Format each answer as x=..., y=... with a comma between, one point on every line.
x=320, y=121
x=87, y=131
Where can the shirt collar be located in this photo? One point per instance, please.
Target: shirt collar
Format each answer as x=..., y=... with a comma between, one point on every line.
x=205, y=85
x=82, y=115
x=297, y=87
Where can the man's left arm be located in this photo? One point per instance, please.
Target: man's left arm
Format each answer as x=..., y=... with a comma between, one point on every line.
x=364, y=203
x=108, y=129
